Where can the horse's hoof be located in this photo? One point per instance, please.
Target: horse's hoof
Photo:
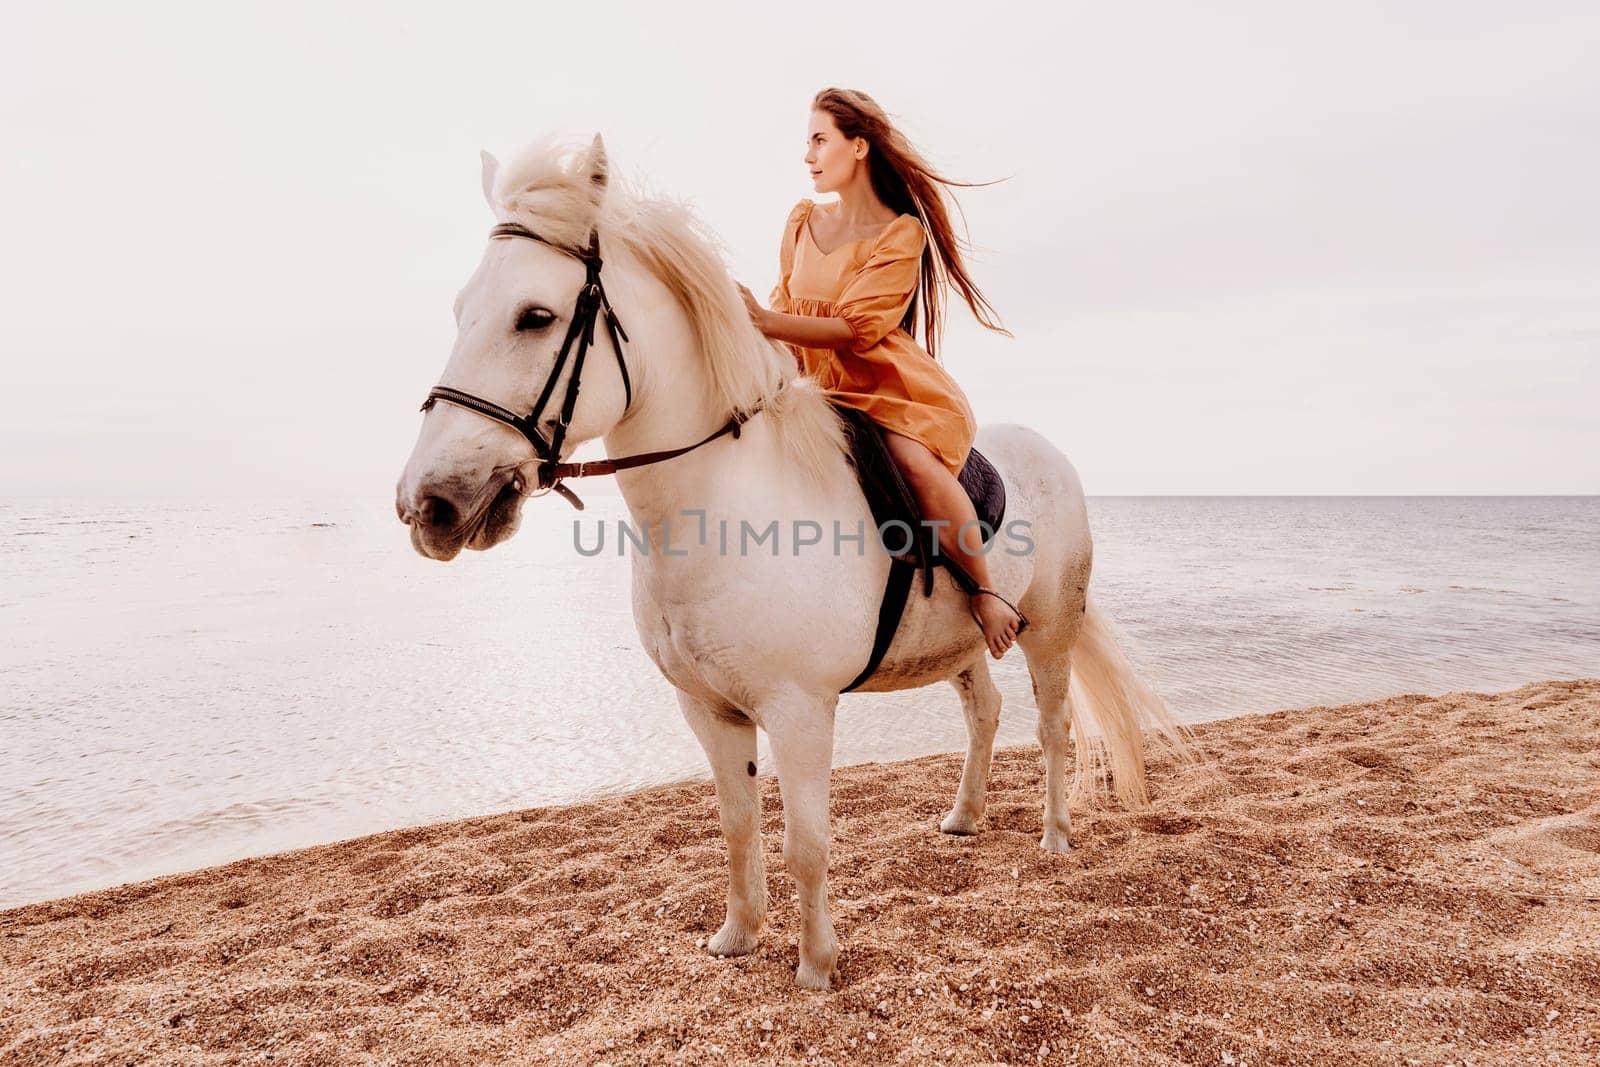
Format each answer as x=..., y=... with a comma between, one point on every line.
x=811, y=976
x=732, y=941
x=1055, y=841
x=960, y=823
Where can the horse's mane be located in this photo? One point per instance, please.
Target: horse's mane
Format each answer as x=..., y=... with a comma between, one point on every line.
x=543, y=187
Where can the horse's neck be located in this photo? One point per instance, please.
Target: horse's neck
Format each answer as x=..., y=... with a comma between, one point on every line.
x=671, y=406
x=675, y=410
x=751, y=476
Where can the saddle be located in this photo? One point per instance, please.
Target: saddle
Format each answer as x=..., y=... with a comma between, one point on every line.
x=890, y=498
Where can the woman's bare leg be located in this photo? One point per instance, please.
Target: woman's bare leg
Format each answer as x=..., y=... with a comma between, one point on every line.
x=941, y=496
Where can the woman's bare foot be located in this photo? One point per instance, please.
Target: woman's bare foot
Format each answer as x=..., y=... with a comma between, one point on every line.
x=998, y=621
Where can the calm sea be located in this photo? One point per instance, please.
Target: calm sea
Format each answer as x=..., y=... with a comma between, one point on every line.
x=189, y=683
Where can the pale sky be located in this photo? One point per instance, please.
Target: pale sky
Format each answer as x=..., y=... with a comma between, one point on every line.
x=1244, y=248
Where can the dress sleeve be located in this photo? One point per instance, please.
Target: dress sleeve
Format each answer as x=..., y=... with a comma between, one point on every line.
x=875, y=298
x=779, y=299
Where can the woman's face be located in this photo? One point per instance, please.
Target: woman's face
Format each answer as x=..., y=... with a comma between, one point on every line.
x=831, y=156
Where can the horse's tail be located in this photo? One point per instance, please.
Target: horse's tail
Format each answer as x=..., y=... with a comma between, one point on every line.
x=1111, y=709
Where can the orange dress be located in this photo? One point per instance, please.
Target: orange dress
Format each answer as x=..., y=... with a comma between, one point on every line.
x=883, y=371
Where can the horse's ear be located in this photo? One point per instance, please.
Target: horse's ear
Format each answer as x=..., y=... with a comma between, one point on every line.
x=491, y=166
x=596, y=165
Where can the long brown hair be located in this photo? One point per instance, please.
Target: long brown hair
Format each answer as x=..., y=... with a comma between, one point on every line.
x=906, y=182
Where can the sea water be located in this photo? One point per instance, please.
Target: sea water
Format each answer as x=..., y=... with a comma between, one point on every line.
x=189, y=682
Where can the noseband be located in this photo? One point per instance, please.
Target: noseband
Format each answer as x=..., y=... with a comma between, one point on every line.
x=591, y=302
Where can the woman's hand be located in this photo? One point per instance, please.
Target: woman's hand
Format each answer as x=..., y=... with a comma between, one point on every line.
x=811, y=331
x=758, y=314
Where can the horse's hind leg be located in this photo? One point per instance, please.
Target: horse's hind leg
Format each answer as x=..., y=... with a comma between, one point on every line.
x=730, y=743
x=980, y=703
x=1051, y=670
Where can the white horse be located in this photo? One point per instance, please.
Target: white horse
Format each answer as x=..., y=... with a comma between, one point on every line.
x=766, y=638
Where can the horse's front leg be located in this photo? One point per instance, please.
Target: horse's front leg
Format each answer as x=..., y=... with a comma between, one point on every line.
x=800, y=729
x=729, y=739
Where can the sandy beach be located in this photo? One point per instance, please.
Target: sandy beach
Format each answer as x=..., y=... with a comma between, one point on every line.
x=1414, y=880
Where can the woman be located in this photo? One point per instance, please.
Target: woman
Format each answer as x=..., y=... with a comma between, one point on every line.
x=846, y=304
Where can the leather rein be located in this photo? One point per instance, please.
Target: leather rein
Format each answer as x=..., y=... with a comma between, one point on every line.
x=591, y=303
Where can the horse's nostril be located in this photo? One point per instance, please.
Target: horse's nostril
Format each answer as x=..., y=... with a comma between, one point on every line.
x=437, y=511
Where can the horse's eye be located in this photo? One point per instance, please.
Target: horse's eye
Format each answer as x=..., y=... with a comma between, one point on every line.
x=534, y=319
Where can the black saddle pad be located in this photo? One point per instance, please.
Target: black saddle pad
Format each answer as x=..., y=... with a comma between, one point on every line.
x=890, y=497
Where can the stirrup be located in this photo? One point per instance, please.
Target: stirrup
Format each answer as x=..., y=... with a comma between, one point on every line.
x=1022, y=620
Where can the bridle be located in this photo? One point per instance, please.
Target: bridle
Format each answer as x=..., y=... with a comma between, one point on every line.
x=591, y=302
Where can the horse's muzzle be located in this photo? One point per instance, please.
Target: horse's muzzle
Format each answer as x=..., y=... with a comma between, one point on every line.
x=445, y=518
